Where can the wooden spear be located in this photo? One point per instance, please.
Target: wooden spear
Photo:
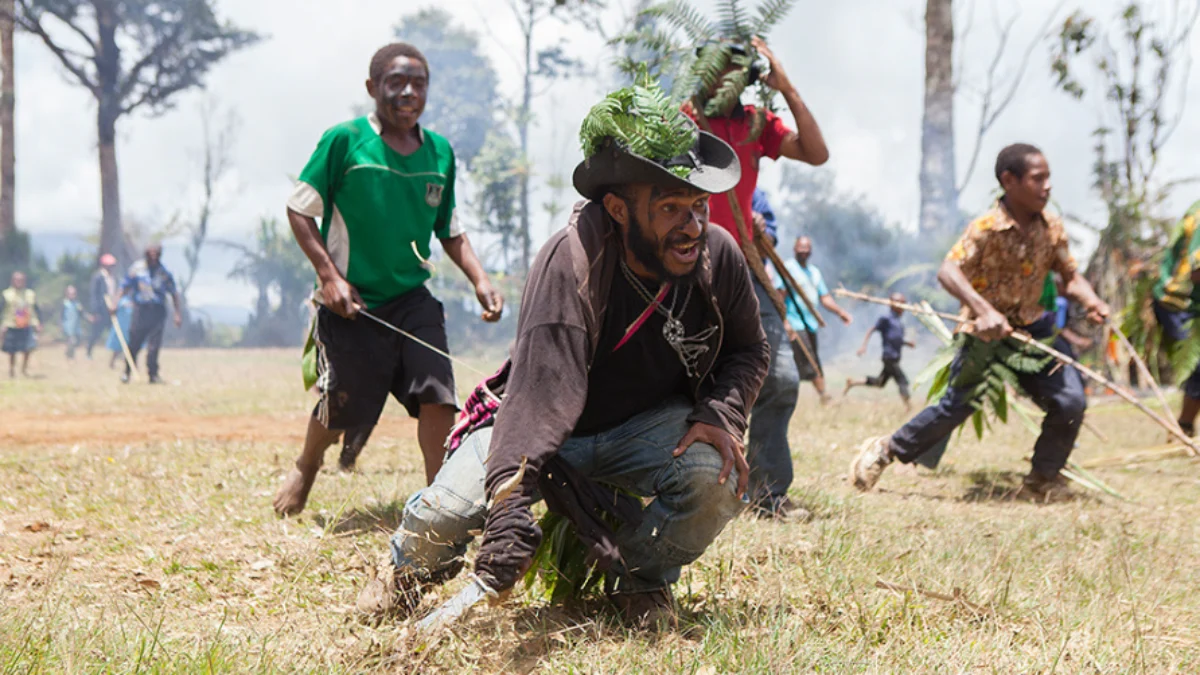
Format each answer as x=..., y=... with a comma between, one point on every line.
x=1144, y=370
x=1193, y=449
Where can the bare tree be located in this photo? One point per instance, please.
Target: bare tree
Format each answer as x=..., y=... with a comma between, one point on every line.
x=939, y=193
x=217, y=158
x=546, y=64
x=130, y=55
x=997, y=88
x=8, y=159
x=1137, y=68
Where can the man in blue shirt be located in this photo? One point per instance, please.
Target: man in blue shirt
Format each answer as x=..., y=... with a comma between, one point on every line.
x=891, y=333
x=802, y=323
x=149, y=284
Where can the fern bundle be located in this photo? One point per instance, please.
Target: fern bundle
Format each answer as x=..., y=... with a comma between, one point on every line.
x=560, y=563
x=643, y=121
x=675, y=40
x=988, y=369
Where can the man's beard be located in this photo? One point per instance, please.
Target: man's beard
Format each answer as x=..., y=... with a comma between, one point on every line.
x=650, y=253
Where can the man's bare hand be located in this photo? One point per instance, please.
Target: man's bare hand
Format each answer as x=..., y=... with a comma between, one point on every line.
x=992, y=326
x=862, y=351
x=730, y=448
x=776, y=78
x=1099, y=312
x=491, y=301
x=178, y=319
x=760, y=222
x=340, y=297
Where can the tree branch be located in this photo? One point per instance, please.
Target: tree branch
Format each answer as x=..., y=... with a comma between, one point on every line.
x=58, y=14
x=32, y=25
x=155, y=54
x=988, y=115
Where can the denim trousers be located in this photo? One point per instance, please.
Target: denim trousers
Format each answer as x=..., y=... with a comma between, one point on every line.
x=687, y=513
x=1057, y=389
x=768, y=451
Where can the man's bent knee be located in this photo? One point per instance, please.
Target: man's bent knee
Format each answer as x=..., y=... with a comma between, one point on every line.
x=436, y=529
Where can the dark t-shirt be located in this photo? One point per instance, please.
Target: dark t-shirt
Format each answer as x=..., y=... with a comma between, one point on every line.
x=645, y=371
x=891, y=330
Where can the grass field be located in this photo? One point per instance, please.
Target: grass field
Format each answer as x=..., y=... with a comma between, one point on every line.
x=136, y=535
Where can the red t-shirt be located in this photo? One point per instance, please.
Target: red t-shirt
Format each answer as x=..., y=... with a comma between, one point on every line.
x=734, y=131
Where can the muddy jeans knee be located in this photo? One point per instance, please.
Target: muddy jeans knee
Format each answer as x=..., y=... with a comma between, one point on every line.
x=689, y=510
x=439, y=519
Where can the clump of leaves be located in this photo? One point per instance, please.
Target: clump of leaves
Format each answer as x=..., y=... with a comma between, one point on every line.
x=675, y=40
x=560, y=563
x=988, y=369
x=643, y=120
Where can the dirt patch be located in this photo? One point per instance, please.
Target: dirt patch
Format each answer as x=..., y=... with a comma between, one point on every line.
x=27, y=429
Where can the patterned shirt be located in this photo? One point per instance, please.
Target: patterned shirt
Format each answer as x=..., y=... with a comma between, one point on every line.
x=1175, y=289
x=1008, y=265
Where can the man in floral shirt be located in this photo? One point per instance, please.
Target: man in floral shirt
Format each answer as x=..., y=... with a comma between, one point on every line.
x=998, y=270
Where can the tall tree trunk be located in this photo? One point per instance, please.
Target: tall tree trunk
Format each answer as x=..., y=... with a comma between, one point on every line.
x=108, y=71
x=8, y=159
x=939, y=198
x=527, y=97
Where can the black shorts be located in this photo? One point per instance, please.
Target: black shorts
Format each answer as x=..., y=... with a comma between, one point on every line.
x=807, y=372
x=360, y=362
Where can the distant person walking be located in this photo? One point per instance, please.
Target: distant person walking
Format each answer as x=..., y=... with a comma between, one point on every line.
x=149, y=283
x=802, y=321
x=20, y=321
x=72, y=321
x=102, y=300
x=891, y=334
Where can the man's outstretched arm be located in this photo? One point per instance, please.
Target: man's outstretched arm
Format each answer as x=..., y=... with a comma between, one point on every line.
x=463, y=254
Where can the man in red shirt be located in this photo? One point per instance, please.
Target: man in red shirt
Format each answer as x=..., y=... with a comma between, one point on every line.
x=768, y=451
x=776, y=140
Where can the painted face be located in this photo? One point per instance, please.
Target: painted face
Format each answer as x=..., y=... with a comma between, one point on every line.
x=803, y=250
x=667, y=229
x=1030, y=192
x=400, y=93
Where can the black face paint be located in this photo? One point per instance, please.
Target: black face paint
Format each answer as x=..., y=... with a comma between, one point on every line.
x=651, y=254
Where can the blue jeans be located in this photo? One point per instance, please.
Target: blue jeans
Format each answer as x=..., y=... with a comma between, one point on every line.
x=688, y=512
x=768, y=451
x=1057, y=389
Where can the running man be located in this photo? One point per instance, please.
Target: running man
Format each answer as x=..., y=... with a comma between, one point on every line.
x=382, y=187
x=891, y=334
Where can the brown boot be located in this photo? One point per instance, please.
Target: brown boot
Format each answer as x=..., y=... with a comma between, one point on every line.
x=647, y=610
x=1046, y=489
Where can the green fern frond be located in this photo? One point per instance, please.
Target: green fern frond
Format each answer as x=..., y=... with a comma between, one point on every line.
x=713, y=60
x=727, y=95
x=642, y=119
x=1185, y=354
x=771, y=13
x=733, y=22
x=680, y=14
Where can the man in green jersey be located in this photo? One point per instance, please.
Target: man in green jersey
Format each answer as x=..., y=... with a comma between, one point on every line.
x=382, y=187
x=1175, y=302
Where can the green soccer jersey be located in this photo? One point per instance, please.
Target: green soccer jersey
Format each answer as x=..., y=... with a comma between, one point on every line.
x=1175, y=289
x=378, y=209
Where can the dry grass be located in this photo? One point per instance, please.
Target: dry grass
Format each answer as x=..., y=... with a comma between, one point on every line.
x=136, y=535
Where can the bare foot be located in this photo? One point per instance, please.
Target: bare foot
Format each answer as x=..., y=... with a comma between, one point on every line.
x=849, y=386
x=293, y=494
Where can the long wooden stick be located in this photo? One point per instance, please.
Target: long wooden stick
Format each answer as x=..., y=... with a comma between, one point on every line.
x=1193, y=449
x=1144, y=370
x=124, y=346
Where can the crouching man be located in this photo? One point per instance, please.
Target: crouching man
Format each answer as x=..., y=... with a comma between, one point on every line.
x=638, y=356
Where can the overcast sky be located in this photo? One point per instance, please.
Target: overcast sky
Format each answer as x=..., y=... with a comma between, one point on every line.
x=858, y=63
